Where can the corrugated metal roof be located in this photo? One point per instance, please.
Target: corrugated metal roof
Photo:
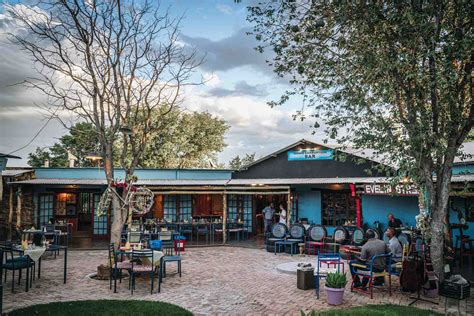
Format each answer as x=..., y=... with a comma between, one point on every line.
x=62, y=182
x=15, y=172
x=233, y=182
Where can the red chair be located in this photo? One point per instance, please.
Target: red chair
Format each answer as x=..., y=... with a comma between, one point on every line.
x=316, y=238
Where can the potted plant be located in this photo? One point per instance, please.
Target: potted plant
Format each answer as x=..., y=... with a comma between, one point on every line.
x=335, y=286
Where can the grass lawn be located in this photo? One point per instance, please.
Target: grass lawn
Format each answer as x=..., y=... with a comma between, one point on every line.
x=379, y=310
x=103, y=307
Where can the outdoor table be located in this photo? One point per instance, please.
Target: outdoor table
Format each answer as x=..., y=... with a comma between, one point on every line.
x=284, y=243
x=65, y=263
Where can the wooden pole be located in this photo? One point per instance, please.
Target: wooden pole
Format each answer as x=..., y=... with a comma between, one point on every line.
x=10, y=213
x=289, y=209
x=224, y=218
x=18, y=209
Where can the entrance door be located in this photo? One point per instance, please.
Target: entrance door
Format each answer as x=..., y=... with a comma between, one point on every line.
x=100, y=227
x=84, y=215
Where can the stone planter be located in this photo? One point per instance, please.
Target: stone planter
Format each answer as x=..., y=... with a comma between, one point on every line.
x=334, y=296
x=103, y=272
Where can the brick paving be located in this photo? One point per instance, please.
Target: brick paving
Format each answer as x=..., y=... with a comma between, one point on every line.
x=217, y=280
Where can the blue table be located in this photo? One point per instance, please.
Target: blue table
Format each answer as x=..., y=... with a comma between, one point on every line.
x=284, y=243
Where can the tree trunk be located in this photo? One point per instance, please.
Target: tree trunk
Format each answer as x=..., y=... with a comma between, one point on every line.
x=117, y=221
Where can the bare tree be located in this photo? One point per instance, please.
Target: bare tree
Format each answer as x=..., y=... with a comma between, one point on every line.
x=111, y=63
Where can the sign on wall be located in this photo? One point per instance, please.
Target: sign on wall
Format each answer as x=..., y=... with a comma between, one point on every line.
x=311, y=154
x=387, y=189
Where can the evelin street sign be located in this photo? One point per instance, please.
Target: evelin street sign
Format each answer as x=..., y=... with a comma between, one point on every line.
x=387, y=189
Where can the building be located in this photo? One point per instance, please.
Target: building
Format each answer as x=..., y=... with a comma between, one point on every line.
x=316, y=183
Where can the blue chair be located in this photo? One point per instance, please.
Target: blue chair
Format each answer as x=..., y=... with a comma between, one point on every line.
x=202, y=230
x=328, y=259
x=169, y=257
x=186, y=229
x=147, y=266
x=18, y=263
x=367, y=272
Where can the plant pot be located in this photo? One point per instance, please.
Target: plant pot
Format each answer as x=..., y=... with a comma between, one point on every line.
x=334, y=296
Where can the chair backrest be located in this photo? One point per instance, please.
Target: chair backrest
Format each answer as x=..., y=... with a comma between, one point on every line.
x=48, y=228
x=186, y=227
x=165, y=235
x=386, y=259
x=332, y=257
x=317, y=233
x=134, y=237
x=140, y=255
x=111, y=254
x=156, y=244
x=297, y=231
x=279, y=230
x=340, y=234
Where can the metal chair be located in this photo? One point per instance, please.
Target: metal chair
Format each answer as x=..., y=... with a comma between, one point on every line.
x=328, y=259
x=367, y=272
x=170, y=258
x=13, y=264
x=202, y=230
x=116, y=266
x=147, y=266
x=186, y=229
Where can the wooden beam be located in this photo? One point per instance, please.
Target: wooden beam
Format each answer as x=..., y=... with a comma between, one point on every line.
x=223, y=192
x=216, y=188
x=289, y=209
x=18, y=209
x=224, y=218
x=10, y=213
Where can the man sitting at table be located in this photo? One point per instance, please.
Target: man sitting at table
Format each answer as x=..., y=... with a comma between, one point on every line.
x=371, y=248
x=394, y=245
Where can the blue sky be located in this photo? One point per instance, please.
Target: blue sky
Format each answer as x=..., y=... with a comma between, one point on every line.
x=239, y=85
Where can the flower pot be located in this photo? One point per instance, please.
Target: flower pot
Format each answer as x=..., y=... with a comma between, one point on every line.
x=334, y=296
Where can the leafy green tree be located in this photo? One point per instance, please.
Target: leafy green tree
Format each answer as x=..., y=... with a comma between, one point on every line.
x=396, y=77
x=238, y=163
x=183, y=140
x=80, y=141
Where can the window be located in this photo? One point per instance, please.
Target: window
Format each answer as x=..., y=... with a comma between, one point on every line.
x=45, y=209
x=240, y=207
x=65, y=204
x=185, y=207
x=100, y=223
x=337, y=208
x=169, y=208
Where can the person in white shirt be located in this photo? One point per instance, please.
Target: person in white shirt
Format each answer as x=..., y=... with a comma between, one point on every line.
x=282, y=215
x=394, y=245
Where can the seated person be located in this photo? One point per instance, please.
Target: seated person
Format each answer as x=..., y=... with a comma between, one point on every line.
x=394, y=245
x=371, y=248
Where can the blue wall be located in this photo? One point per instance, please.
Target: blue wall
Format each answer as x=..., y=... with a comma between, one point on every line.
x=309, y=205
x=377, y=208
x=142, y=174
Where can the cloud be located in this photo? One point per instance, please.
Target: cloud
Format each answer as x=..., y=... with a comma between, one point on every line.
x=241, y=88
x=224, y=8
x=231, y=52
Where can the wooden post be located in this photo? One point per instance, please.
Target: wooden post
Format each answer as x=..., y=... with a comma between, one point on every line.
x=18, y=209
x=289, y=210
x=10, y=213
x=224, y=218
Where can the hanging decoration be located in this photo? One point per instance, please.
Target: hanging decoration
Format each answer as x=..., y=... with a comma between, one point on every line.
x=141, y=200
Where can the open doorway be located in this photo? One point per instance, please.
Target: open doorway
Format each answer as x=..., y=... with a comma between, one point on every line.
x=263, y=201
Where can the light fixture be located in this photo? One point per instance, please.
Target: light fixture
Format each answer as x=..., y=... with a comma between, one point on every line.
x=126, y=130
x=405, y=180
x=94, y=156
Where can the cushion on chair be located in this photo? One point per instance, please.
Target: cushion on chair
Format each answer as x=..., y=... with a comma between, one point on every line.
x=124, y=265
x=142, y=268
x=23, y=264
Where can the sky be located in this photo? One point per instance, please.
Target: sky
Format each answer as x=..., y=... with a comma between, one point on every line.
x=238, y=85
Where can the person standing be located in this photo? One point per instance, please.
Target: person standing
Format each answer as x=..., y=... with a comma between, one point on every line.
x=268, y=213
x=282, y=215
x=394, y=222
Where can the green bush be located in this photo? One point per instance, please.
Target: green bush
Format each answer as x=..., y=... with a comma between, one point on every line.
x=336, y=280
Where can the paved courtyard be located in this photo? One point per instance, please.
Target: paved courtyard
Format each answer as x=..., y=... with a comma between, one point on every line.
x=217, y=280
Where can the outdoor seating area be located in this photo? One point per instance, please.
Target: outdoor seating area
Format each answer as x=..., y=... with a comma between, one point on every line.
x=208, y=284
